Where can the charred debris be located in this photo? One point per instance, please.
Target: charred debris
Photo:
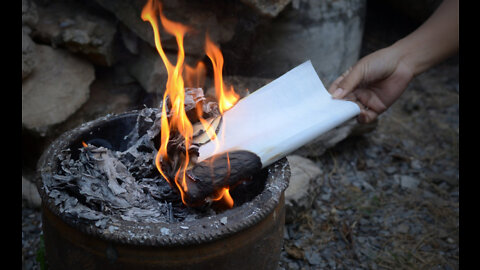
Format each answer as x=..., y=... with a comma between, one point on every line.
x=96, y=182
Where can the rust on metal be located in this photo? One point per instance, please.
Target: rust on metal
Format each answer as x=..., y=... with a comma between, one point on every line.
x=248, y=236
x=257, y=246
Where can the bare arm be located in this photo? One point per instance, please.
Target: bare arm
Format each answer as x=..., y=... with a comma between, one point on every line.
x=433, y=41
x=377, y=80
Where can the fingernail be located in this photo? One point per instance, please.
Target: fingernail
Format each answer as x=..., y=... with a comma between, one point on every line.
x=337, y=93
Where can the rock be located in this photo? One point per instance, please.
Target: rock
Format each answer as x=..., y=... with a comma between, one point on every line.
x=57, y=88
x=28, y=55
x=390, y=169
x=128, y=12
x=326, y=196
x=293, y=266
x=407, y=182
x=78, y=28
x=218, y=18
x=130, y=40
x=267, y=7
x=29, y=19
x=329, y=33
x=224, y=220
x=106, y=97
x=416, y=164
x=294, y=252
x=313, y=257
x=29, y=13
x=149, y=70
x=300, y=192
x=362, y=239
x=403, y=228
x=30, y=193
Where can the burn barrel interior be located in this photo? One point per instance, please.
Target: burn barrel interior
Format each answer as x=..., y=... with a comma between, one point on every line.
x=248, y=236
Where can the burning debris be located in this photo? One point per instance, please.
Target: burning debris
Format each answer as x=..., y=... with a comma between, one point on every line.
x=216, y=175
x=194, y=151
x=176, y=121
x=96, y=182
x=126, y=182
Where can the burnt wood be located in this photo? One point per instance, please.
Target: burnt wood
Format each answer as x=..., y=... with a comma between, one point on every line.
x=211, y=175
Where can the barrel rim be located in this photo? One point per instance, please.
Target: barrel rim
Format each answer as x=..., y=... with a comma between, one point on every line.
x=203, y=230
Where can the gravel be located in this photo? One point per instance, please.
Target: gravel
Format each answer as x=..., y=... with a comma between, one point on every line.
x=388, y=199
x=31, y=231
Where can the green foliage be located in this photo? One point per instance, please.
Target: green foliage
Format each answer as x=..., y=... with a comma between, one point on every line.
x=41, y=254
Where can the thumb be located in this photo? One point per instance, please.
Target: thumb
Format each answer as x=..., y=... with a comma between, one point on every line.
x=347, y=82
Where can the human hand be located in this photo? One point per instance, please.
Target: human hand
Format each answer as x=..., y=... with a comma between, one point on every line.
x=374, y=82
x=378, y=79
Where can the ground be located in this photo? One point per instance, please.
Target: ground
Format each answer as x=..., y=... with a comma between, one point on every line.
x=388, y=199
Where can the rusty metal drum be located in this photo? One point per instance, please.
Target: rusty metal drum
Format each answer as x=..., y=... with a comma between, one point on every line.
x=248, y=236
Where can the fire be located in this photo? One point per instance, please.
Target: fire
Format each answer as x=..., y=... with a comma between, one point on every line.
x=224, y=196
x=179, y=76
x=225, y=192
x=175, y=91
x=226, y=98
x=195, y=77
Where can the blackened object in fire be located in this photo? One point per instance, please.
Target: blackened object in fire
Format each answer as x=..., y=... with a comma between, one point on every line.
x=147, y=226
x=114, y=177
x=218, y=172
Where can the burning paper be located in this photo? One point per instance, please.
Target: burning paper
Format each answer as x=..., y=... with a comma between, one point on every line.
x=194, y=150
x=263, y=127
x=280, y=117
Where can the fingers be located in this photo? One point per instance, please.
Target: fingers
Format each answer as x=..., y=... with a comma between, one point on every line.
x=335, y=83
x=371, y=105
x=370, y=100
x=366, y=116
x=347, y=82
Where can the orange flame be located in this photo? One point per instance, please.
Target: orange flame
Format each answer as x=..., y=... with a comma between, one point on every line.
x=175, y=90
x=175, y=93
x=224, y=194
x=226, y=98
x=195, y=77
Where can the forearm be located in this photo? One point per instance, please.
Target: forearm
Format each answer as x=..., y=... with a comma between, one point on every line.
x=433, y=41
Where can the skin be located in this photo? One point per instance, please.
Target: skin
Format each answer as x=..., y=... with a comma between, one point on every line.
x=377, y=80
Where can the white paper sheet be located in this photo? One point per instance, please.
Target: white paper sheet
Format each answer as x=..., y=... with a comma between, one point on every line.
x=280, y=117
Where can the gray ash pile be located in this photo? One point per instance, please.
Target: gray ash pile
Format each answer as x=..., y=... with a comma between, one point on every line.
x=108, y=175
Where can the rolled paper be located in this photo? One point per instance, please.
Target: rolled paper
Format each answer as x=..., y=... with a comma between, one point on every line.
x=280, y=117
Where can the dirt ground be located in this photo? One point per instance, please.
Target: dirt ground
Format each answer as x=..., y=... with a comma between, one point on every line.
x=388, y=199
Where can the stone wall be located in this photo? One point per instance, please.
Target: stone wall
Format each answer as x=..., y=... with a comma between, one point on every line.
x=329, y=33
x=85, y=59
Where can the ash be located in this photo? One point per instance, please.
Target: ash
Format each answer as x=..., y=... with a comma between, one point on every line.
x=98, y=184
